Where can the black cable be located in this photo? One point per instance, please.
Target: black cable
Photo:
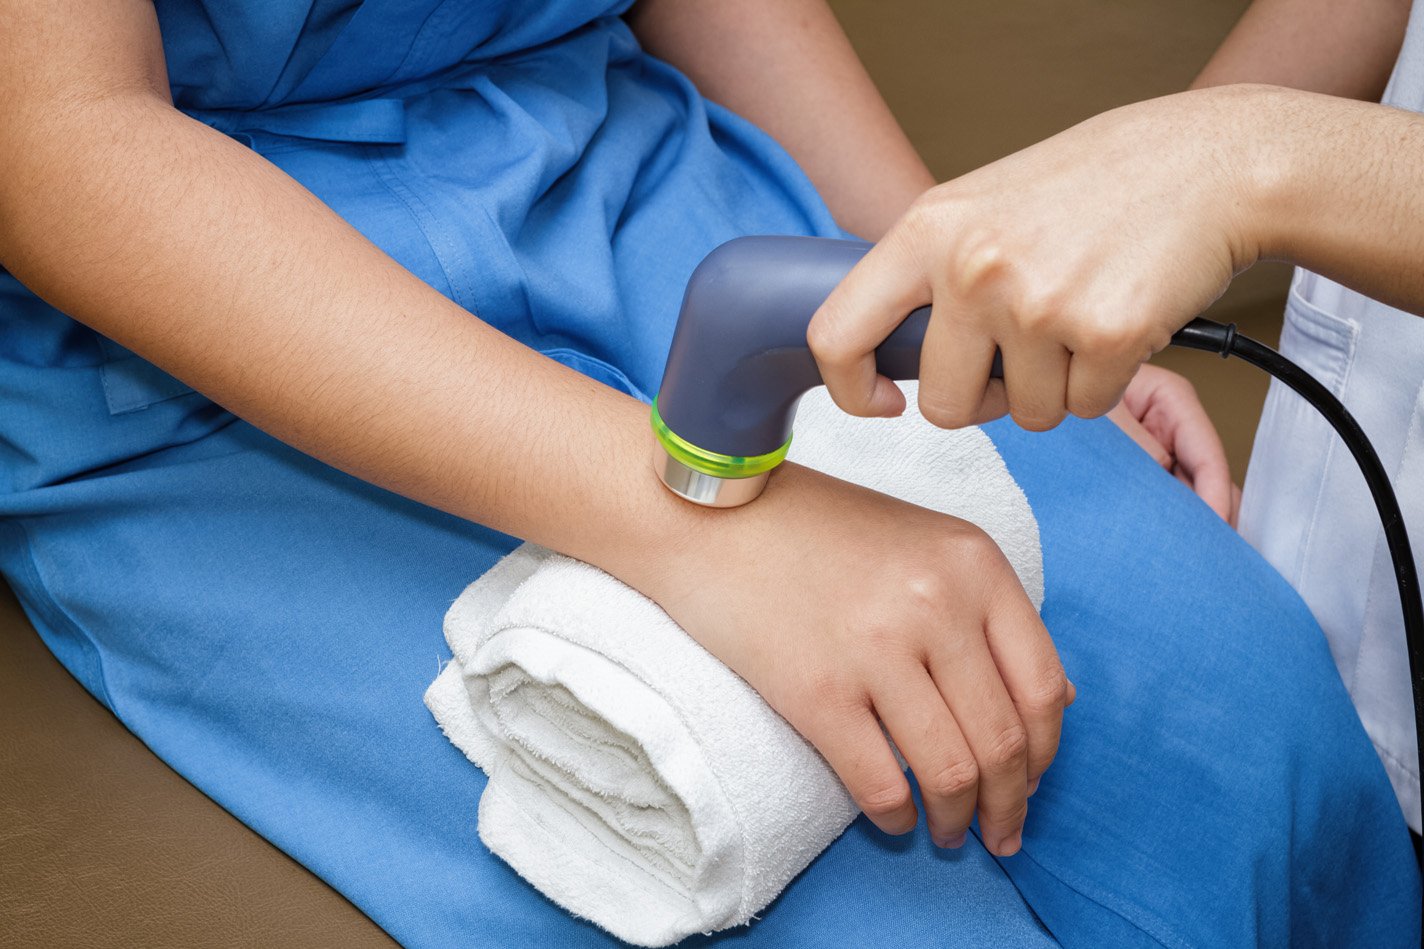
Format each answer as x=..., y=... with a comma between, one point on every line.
x=1225, y=341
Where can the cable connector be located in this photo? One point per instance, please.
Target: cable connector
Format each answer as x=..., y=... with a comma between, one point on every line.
x=1228, y=340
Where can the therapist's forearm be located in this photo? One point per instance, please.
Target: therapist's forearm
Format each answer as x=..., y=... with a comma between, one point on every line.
x=1339, y=189
x=787, y=66
x=1340, y=49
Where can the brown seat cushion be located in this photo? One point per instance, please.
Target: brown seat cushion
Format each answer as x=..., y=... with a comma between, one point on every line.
x=101, y=844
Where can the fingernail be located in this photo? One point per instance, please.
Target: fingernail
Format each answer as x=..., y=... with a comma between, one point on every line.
x=1033, y=786
x=954, y=842
x=1010, y=845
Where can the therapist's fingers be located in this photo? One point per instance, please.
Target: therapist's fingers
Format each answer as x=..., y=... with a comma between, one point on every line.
x=856, y=749
x=1097, y=380
x=1036, y=381
x=926, y=733
x=955, y=360
x=872, y=300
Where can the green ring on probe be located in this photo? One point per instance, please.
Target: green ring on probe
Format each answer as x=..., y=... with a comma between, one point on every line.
x=710, y=462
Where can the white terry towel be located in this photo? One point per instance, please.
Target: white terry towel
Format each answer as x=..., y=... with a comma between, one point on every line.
x=633, y=778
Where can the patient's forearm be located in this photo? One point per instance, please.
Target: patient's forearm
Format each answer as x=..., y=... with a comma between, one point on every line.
x=1341, y=49
x=201, y=256
x=787, y=66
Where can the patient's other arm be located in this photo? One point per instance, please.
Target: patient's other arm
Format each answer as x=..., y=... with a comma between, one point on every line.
x=1340, y=49
x=787, y=66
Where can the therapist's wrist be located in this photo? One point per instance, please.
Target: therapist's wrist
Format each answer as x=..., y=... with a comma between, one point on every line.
x=1291, y=140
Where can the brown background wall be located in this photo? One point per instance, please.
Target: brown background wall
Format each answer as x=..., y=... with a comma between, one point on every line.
x=102, y=845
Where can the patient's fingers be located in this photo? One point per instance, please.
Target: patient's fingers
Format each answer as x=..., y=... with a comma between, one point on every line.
x=857, y=751
x=927, y=735
x=1169, y=408
x=1124, y=419
x=1031, y=671
x=965, y=674
x=1198, y=448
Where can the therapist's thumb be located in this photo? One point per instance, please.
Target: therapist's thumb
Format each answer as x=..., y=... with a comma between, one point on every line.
x=872, y=300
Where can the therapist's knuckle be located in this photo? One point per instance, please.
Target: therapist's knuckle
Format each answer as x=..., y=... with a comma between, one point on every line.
x=1036, y=418
x=1089, y=405
x=1092, y=330
x=924, y=221
x=827, y=336
x=943, y=411
x=1083, y=401
x=1158, y=339
x=1107, y=336
x=957, y=777
x=1043, y=307
x=981, y=261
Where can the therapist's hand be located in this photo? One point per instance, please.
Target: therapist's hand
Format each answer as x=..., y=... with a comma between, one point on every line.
x=848, y=610
x=1162, y=413
x=1077, y=257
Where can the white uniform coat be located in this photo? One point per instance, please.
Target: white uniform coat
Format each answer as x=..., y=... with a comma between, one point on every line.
x=1306, y=507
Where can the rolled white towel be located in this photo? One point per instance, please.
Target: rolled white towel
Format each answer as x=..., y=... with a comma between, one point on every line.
x=633, y=778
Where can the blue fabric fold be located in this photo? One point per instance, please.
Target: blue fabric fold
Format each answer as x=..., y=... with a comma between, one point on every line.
x=372, y=121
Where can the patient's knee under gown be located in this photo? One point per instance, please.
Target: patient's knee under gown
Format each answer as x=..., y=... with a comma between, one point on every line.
x=268, y=625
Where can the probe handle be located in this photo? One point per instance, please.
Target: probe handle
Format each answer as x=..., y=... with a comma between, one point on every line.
x=739, y=361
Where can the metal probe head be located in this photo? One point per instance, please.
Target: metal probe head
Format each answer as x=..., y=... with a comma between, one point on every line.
x=705, y=489
x=707, y=477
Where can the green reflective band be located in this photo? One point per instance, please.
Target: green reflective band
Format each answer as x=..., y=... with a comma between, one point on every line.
x=709, y=462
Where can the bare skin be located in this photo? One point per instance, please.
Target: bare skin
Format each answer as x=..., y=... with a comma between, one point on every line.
x=1080, y=256
x=1161, y=412
x=840, y=605
x=1339, y=49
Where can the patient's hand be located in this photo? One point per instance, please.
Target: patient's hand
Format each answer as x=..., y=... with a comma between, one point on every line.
x=845, y=609
x=1161, y=412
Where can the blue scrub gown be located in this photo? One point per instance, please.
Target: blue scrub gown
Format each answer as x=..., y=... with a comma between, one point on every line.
x=268, y=625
